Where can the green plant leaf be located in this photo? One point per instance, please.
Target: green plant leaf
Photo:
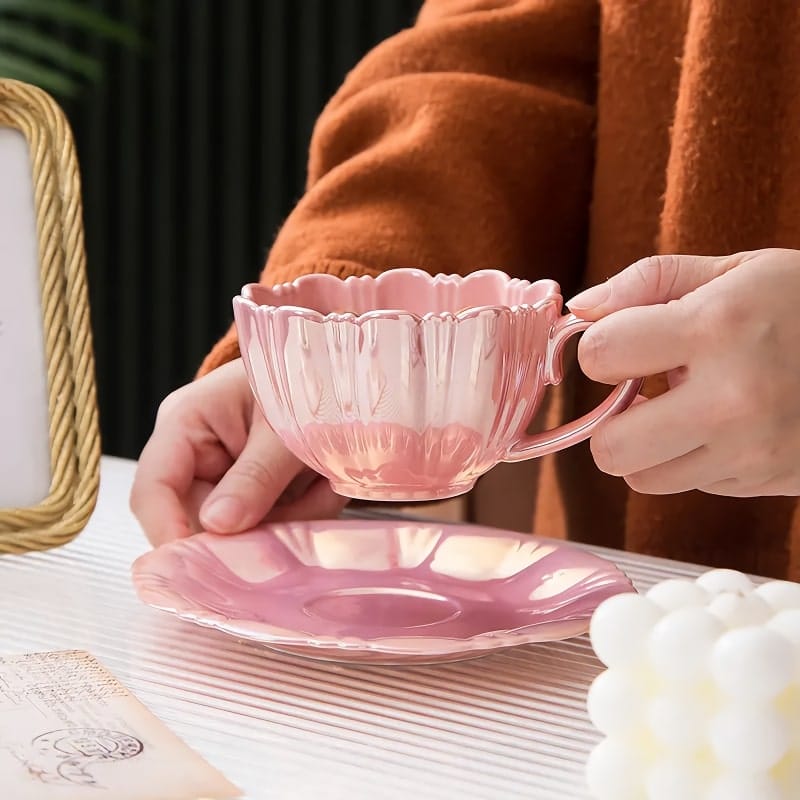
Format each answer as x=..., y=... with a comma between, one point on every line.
x=26, y=39
x=76, y=14
x=25, y=69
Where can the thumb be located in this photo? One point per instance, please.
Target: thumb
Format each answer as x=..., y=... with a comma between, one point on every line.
x=651, y=281
x=250, y=488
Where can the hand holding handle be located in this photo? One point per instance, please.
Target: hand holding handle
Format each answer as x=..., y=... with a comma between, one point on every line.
x=541, y=444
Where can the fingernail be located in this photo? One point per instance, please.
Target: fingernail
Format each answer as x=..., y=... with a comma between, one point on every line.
x=223, y=513
x=590, y=298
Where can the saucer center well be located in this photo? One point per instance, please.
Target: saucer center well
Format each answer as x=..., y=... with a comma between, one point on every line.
x=383, y=607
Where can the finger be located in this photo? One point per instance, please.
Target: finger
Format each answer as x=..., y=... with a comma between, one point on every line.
x=163, y=477
x=252, y=485
x=319, y=502
x=195, y=500
x=729, y=487
x=212, y=459
x=650, y=433
x=637, y=342
x=783, y=486
x=200, y=490
x=652, y=280
x=297, y=488
x=682, y=474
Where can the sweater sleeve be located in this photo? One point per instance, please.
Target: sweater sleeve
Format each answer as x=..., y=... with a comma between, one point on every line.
x=462, y=143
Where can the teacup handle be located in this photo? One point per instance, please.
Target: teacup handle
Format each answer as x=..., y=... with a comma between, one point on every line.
x=541, y=444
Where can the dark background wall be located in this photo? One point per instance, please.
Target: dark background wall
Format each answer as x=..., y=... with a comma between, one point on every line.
x=191, y=154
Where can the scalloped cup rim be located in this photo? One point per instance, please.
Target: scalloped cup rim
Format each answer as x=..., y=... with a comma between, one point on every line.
x=552, y=296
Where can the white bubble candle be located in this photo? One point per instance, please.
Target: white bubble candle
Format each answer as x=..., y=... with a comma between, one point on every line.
x=700, y=699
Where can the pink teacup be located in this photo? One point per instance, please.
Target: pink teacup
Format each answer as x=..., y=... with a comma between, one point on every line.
x=410, y=386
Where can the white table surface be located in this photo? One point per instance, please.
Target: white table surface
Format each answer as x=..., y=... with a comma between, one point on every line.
x=507, y=726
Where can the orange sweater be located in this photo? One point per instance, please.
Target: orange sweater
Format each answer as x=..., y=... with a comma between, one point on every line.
x=565, y=139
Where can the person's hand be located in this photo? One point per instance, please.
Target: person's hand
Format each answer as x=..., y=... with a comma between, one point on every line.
x=726, y=331
x=212, y=463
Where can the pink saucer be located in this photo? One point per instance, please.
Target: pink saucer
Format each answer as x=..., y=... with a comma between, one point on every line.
x=380, y=591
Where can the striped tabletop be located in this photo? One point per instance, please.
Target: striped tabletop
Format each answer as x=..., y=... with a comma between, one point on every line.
x=507, y=726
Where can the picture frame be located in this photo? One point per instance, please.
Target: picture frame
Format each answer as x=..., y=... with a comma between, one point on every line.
x=49, y=430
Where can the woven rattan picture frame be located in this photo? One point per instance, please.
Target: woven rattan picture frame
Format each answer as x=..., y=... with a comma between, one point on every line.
x=34, y=132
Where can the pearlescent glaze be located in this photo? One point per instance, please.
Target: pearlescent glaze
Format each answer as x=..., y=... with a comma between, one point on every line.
x=389, y=592
x=409, y=386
